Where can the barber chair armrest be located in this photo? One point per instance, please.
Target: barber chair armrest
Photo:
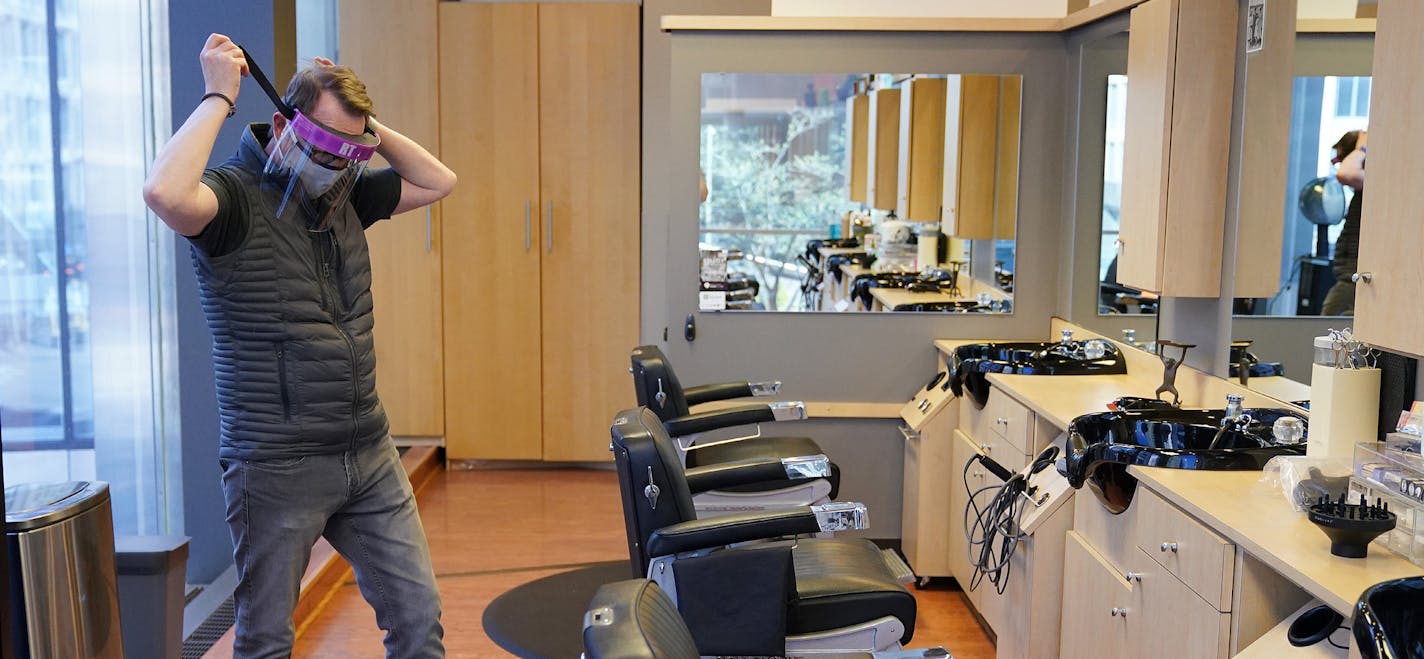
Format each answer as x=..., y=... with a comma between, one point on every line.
x=741, y=472
x=723, y=530
x=728, y=390
x=734, y=416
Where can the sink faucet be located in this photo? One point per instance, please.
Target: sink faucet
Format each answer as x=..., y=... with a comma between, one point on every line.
x=1129, y=336
x=1169, y=368
x=1235, y=419
x=1067, y=336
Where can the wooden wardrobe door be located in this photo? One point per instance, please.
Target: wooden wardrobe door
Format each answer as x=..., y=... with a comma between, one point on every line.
x=405, y=250
x=489, y=108
x=589, y=181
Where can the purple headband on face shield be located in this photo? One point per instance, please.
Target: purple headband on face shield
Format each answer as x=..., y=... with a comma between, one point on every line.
x=330, y=141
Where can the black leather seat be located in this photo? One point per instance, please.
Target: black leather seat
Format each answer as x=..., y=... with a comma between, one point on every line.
x=658, y=389
x=838, y=587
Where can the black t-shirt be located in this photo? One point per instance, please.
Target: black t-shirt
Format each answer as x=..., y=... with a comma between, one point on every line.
x=374, y=196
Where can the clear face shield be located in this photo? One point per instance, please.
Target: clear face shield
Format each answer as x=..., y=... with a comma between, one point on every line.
x=311, y=165
x=314, y=167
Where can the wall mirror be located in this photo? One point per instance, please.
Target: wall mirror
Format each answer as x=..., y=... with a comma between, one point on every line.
x=1330, y=96
x=855, y=192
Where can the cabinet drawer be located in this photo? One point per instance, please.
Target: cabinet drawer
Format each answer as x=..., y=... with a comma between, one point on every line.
x=1009, y=419
x=1170, y=621
x=1203, y=560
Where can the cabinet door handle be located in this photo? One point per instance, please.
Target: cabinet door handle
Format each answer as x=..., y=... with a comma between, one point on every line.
x=1117, y=612
x=1133, y=576
x=1169, y=546
x=549, y=226
x=429, y=240
x=1001, y=421
x=1364, y=277
x=528, y=209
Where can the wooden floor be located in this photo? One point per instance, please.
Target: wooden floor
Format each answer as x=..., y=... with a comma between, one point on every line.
x=491, y=530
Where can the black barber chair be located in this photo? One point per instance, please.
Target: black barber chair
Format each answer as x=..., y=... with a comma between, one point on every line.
x=764, y=598
x=635, y=619
x=659, y=390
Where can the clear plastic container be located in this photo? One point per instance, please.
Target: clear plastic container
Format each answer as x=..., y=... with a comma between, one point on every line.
x=1397, y=478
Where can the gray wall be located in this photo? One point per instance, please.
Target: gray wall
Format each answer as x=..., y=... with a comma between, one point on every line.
x=189, y=24
x=834, y=357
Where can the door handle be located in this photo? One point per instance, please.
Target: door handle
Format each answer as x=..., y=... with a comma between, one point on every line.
x=528, y=208
x=1362, y=277
x=549, y=227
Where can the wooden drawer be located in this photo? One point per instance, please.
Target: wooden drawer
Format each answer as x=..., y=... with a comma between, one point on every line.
x=1008, y=419
x=1168, y=620
x=1203, y=560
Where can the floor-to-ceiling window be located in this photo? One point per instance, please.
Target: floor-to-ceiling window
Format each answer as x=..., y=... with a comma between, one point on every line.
x=81, y=301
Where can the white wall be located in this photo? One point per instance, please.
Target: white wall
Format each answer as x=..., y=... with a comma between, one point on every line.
x=1326, y=8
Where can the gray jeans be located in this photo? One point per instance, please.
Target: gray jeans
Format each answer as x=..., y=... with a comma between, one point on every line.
x=1340, y=300
x=362, y=502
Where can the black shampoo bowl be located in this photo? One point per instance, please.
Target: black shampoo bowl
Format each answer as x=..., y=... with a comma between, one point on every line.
x=971, y=364
x=1102, y=445
x=1389, y=620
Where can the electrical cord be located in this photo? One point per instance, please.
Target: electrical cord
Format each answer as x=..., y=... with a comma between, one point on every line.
x=996, y=529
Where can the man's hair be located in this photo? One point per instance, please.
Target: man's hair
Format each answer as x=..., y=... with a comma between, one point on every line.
x=306, y=86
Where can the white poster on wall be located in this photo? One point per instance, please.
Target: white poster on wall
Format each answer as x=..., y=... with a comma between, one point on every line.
x=1255, y=25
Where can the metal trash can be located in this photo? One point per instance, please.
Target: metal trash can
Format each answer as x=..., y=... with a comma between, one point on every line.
x=151, y=575
x=66, y=601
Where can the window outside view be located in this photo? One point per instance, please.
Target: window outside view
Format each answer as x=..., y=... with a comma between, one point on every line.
x=773, y=154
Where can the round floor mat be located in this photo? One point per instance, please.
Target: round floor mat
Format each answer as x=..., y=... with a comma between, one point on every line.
x=544, y=618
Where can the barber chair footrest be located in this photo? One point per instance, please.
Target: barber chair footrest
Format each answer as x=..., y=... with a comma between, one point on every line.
x=877, y=635
x=897, y=566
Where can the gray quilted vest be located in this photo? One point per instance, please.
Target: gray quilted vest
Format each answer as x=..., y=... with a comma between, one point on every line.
x=293, y=353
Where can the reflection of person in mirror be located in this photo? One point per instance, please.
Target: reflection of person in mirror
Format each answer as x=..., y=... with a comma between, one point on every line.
x=702, y=184
x=1350, y=156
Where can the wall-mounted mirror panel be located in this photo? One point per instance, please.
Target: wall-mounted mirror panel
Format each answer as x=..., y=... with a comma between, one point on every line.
x=852, y=192
x=1113, y=297
x=1330, y=96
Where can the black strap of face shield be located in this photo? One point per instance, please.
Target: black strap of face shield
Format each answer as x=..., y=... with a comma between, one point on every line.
x=266, y=85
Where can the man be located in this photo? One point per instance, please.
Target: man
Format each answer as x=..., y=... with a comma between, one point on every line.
x=1350, y=156
x=284, y=274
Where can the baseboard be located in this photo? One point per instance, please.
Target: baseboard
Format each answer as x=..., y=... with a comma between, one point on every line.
x=327, y=569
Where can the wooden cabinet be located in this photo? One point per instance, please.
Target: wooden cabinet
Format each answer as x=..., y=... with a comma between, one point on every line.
x=540, y=114
x=1181, y=70
x=921, y=177
x=405, y=250
x=883, y=149
x=981, y=149
x=1094, y=596
x=925, y=523
x=1387, y=310
x=858, y=143
x=1137, y=610
x=1174, y=568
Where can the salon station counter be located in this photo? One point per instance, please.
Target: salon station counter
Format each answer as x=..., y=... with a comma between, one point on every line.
x=1247, y=562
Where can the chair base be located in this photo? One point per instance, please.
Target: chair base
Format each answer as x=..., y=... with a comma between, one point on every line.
x=879, y=635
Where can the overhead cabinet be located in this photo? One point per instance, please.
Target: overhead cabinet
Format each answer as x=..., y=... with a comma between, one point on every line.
x=539, y=107
x=1391, y=269
x=405, y=250
x=858, y=139
x=980, y=156
x=1181, y=73
x=883, y=149
x=921, y=176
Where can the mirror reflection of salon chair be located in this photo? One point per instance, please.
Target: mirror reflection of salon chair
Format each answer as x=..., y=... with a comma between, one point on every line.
x=1322, y=203
x=1389, y=620
x=635, y=619
x=658, y=388
x=1114, y=298
x=742, y=290
x=781, y=596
